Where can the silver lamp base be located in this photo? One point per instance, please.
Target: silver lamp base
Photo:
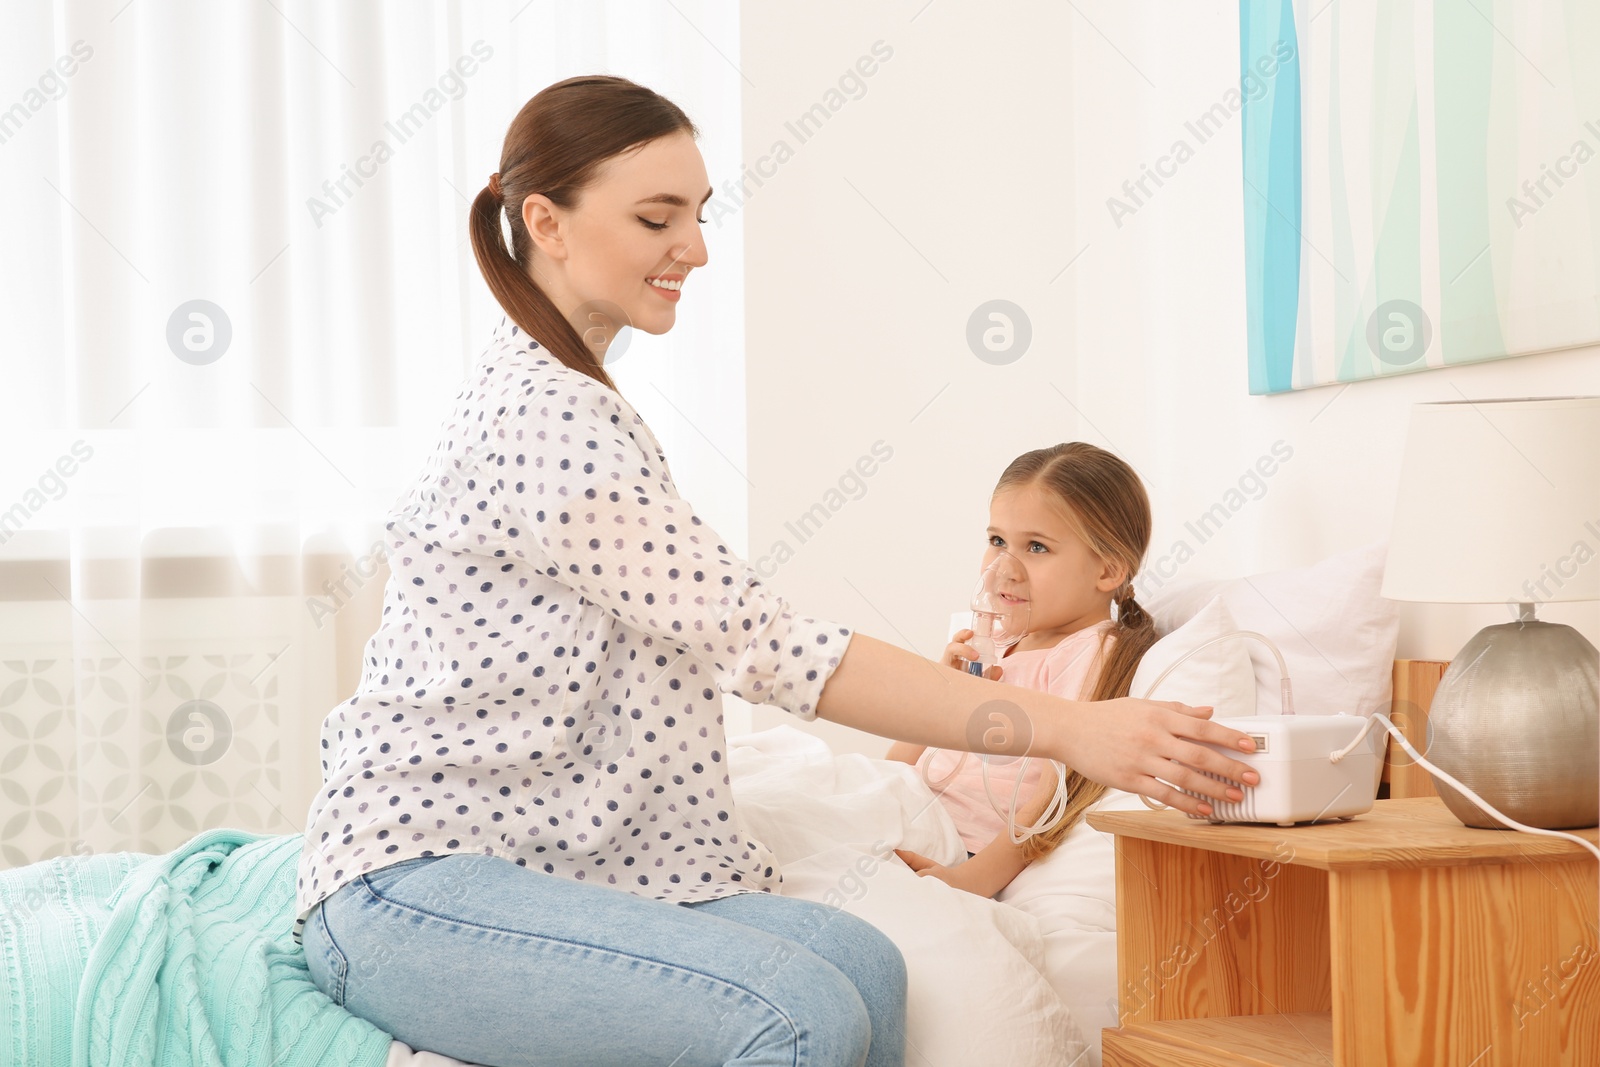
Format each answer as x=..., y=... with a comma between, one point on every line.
x=1517, y=719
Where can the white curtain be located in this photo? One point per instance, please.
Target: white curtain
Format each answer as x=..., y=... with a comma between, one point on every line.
x=236, y=302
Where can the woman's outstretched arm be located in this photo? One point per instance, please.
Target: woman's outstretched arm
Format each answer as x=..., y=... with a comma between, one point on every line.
x=1127, y=744
x=953, y=658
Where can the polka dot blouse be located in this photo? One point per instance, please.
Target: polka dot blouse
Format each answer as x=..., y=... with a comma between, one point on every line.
x=558, y=628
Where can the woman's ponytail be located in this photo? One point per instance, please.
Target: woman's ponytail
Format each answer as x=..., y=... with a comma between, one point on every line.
x=527, y=304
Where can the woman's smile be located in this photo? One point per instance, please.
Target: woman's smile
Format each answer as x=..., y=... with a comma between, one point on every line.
x=674, y=280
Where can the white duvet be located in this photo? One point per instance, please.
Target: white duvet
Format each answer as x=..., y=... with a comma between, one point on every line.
x=1026, y=980
x=977, y=992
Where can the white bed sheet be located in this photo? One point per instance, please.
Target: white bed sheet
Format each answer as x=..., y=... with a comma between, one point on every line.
x=977, y=988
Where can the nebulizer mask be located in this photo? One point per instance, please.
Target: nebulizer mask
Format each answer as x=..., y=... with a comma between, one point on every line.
x=1000, y=618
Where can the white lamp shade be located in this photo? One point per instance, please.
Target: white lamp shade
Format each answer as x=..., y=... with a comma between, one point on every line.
x=1499, y=501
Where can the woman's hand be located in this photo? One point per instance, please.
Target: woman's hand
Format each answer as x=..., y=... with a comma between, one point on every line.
x=1129, y=744
x=955, y=876
x=958, y=654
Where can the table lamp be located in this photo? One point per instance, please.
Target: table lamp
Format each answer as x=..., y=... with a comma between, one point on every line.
x=1499, y=503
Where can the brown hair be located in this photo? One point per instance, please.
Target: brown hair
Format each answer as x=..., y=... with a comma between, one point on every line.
x=555, y=146
x=1103, y=500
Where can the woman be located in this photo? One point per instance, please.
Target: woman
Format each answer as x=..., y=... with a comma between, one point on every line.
x=538, y=724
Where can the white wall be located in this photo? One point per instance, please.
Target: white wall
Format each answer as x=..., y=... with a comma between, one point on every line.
x=975, y=166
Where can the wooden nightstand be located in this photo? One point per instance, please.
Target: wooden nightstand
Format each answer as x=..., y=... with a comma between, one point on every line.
x=1402, y=937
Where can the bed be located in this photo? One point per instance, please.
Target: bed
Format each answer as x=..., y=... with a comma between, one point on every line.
x=115, y=958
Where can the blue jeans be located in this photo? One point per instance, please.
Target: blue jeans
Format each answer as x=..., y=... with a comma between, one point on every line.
x=474, y=957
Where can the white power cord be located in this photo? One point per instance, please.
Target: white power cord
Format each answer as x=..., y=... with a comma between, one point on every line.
x=1453, y=782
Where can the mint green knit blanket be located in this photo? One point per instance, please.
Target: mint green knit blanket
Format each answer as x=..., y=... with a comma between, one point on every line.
x=182, y=960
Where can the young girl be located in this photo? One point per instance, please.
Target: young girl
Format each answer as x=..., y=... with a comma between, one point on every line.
x=1078, y=520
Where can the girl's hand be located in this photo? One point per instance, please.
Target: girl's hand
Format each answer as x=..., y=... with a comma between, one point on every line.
x=958, y=654
x=1130, y=743
x=926, y=868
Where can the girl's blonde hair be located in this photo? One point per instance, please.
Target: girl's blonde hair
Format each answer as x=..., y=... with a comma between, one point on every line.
x=1103, y=501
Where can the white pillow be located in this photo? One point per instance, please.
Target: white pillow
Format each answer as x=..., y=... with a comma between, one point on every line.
x=1336, y=633
x=1221, y=676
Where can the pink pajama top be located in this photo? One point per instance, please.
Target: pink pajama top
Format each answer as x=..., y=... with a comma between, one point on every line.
x=1069, y=669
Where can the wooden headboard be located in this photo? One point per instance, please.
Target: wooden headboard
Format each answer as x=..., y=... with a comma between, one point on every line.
x=1414, y=683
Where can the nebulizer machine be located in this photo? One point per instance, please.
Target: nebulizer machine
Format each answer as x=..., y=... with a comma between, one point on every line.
x=1000, y=616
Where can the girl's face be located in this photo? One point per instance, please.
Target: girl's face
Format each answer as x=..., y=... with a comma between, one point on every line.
x=1069, y=587
x=636, y=223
